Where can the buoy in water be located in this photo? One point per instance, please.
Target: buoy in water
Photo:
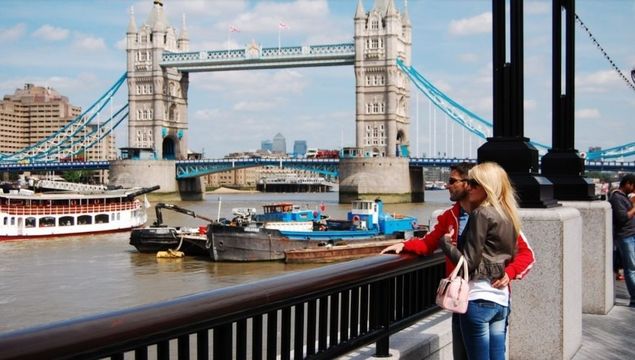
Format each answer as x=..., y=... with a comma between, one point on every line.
x=170, y=254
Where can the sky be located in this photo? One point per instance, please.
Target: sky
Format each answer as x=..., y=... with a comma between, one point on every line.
x=77, y=47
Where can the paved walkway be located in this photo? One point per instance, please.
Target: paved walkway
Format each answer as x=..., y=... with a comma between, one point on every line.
x=610, y=336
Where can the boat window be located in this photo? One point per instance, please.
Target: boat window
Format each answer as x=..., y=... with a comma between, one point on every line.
x=118, y=216
x=112, y=217
x=12, y=221
x=47, y=221
x=84, y=220
x=67, y=221
x=29, y=222
x=101, y=219
x=5, y=219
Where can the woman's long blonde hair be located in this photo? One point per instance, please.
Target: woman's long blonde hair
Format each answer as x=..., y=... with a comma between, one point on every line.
x=500, y=192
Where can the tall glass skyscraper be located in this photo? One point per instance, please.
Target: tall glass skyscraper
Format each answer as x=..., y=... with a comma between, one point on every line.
x=279, y=144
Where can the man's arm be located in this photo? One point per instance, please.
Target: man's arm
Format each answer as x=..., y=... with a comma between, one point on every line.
x=430, y=241
x=520, y=264
x=523, y=261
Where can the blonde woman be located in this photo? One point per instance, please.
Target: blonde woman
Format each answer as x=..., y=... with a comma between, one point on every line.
x=488, y=243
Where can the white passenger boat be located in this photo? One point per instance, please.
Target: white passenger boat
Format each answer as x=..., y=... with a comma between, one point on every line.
x=26, y=214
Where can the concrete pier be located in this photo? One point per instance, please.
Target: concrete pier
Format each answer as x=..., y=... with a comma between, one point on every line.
x=387, y=178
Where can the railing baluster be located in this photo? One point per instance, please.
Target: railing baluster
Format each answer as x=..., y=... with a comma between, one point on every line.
x=256, y=335
x=202, y=345
x=241, y=339
x=344, y=314
x=272, y=334
x=141, y=353
x=223, y=342
x=323, y=323
x=163, y=350
x=383, y=299
x=310, y=327
x=184, y=346
x=334, y=316
x=363, y=311
x=285, y=334
x=399, y=299
x=355, y=310
x=298, y=331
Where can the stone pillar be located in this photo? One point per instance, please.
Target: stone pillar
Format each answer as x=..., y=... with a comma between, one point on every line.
x=371, y=178
x=145, y=173
x=417, y=185
x=546, y=317
x=598, y=292
x=191, y=189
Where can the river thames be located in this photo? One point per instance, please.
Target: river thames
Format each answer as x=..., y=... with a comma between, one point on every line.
x=47, y=280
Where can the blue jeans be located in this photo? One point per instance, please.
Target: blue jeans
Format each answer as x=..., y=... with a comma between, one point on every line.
x=484, y=329
x=627, y=250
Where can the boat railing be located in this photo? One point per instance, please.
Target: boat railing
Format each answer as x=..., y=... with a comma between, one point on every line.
x=68, y=209
x=319, y=314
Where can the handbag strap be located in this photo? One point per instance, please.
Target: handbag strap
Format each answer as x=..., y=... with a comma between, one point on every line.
x=462, y=264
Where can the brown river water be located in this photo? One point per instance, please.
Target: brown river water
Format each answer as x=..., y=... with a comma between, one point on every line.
x=47, y=280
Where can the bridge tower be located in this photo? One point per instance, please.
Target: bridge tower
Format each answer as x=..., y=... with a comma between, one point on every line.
x=157, y=95
x=382, y=35
x=382, y=91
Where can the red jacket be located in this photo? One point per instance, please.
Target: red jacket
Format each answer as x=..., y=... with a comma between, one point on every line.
x=519, y=266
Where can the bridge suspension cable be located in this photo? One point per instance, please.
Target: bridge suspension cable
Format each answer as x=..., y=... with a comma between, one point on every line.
x=471, y=121
x=61, y=141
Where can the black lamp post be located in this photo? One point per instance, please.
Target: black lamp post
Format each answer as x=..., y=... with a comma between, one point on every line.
x=508, y=146
x=562, y=165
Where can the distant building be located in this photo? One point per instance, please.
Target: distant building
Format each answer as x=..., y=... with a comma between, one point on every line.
x=266, y=145
x=299, y=148
x=279, y=144
x=33, y=113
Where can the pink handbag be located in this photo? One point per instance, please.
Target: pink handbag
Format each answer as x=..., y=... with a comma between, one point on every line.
x=453, y=290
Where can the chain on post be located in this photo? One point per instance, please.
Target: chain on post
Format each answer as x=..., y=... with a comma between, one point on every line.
x=606, y=56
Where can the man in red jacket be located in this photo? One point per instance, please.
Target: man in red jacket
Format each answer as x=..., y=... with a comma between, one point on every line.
x=455, y=218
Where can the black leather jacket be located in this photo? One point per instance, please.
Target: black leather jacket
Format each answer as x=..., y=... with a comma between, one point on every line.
x=489, y=243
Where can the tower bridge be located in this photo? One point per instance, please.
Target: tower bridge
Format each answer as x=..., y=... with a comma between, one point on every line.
x=159, y=63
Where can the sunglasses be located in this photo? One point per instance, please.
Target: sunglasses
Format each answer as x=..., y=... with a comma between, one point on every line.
x=472, y=182
x=451, y=181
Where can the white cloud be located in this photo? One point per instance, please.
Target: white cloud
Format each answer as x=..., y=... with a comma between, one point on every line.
x=258, y=84
x=256, y=106
x=51, y=33
x=587, y=114
x=12, y=33
x=479, y=24
x=89, y=43
x=597, y=82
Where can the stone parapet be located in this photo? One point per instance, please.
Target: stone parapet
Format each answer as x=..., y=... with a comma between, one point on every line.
x=546, y=316
x=598, y=292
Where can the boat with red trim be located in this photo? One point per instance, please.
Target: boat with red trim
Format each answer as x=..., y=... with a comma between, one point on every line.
x=82, y=209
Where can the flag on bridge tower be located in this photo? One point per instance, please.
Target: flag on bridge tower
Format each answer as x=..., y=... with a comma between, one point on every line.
x=230, y=30
x=281, y=26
